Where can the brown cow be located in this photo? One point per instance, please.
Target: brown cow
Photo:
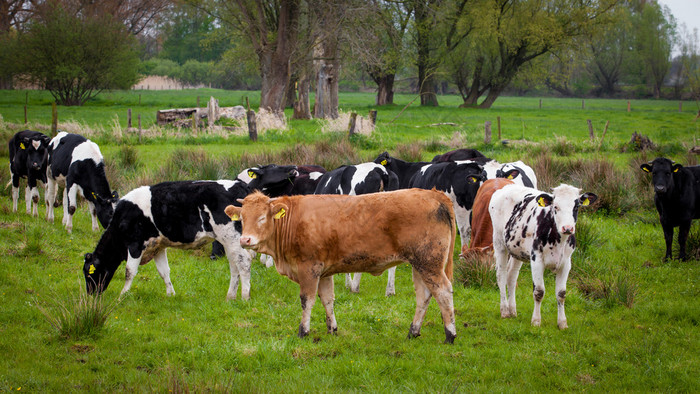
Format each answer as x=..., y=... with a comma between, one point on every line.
x=313, y=237
x=481, y=240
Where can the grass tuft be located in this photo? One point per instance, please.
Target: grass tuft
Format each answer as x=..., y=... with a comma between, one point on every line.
x=78, y=316
x=476, y=270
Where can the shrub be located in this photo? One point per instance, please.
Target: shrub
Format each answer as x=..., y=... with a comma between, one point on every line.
x=78, y=316
x=476, y=270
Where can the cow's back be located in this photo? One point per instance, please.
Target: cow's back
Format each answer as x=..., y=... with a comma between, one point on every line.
x=481, y=225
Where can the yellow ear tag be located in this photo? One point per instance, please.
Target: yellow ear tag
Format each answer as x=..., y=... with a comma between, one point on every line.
x=252, y=174
x=383, y=162
x=645, y=169
x=585, y=202
x=541, y=202
x=510, y=176
x=235, y=217
x=473, y=179
x=92, y=269
x=94, y=195
x=280, y=214
x=676, y=170
x=21, y=145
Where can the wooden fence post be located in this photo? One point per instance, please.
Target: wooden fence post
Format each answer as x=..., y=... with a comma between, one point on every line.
x=252, y=126
x=540, y=103
x=583, y=104
x=54, y=118
x=197, y=101
x=629, y=106
x=128, y=118
x=591, y=134
x=498, y=119
x=680, y=106
x=373, y=116
x=140, y=98
x=487, y=132
x=351, y=126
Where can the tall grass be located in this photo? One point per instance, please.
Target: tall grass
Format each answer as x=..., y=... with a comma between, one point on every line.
x=77, y=316
x=476, y=270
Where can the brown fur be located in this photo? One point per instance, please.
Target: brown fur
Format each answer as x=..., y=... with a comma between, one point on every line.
x=481, y=241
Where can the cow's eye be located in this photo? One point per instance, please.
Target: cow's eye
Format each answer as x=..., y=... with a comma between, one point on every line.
x=261, y=219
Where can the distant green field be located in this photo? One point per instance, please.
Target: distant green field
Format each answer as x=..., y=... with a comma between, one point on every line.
x=633, y=318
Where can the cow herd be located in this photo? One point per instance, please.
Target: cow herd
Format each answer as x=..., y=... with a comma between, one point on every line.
x=312, y=223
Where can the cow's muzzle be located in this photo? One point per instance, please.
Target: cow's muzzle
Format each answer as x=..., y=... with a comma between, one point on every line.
x=660, y=188
x=568, y=230
x=36, y=166
x=247, y=242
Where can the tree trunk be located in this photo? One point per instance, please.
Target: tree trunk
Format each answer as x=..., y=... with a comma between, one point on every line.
x=494, y=92
x=302, y=107
x=291, y=94
x=327, y=65
x=385, y=89
x=428, y=97
x=275, y=77
x=426, y=65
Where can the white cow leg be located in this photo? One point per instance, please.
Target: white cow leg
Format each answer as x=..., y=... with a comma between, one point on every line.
x=308, y=288
x=537, y=267
x=132, y=268
x=239, y=261
x=15, y=197
x=391, y=279
x=348, y=281
x=35, y=201
x=501, y=257
x=161, y=260
x=267, y=260
x=28, y=199
x=93, y=215
x=50, y=198
x=422, y=301
x=560, y=288
x=355, y=285
x=70, y=206
x=512, y=283
x=65, y=207
x=327, y=296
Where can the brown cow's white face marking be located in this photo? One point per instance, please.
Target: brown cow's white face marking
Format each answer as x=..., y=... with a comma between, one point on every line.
x=257, y=215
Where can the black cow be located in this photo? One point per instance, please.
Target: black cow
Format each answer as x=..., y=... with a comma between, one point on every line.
x=461, y=154
x=460, y=181
x=355, y=180
x=76, y=164
x=185, y=215
x=28, y=153
x=404, y=170
x=677, y=198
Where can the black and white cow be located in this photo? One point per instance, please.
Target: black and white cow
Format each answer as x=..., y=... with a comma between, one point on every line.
x=28, y=154
x=460, y=180
x=537, y=227
x=355, y=180
x=677, y=198
x=277, y=181
x=461, y=154
x=76, y=164
x=184, y=215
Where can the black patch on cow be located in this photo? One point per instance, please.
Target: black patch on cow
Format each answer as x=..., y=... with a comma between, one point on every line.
x=452, y=177
x=302, y=332
x=571, y=241
x=339, y=181
x=355, y=259
x=449, y=337
x=443, y=214
x=413, y=331
x=303, y=299
x=561, y=294
x=538, y=294
x=547, y=233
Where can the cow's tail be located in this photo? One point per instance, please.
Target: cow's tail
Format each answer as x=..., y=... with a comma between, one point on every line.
x=8, y=183
x=449, y=267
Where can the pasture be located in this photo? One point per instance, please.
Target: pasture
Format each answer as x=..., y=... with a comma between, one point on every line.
x=633, y=318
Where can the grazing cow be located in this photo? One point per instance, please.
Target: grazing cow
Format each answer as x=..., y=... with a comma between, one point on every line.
x=314, y=237
x=677, y=198
x=276, y=181
x=481, y=239
x=28, y=152
x=356, y=180
x=76, y=164
x=184, y=215
x=460, y=180
x=530, y=225
x=461, y=154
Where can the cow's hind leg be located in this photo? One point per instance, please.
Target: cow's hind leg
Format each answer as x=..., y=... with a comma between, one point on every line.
x=537, y=267
x=422, y=301
x=327, y=296
x=501, y=257
x=441, y=289
x=512, y=282
x=50, y=197
x=15, y=192
x=668, y=237
x=391, y=279
x=308, y=288
x=352, y=281
x=70, y=204
x=683, y=231
x=161, y=260
x=28, y=199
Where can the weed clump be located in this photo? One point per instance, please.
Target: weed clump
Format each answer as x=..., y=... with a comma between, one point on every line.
x=476, y=270
x=78, y=316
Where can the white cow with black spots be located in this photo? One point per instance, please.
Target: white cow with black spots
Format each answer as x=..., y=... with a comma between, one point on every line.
x=537, y=227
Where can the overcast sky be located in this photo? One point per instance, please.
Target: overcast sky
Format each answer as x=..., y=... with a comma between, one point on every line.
x=685, y=11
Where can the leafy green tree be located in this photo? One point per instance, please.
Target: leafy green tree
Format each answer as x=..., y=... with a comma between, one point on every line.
x=656, y=31
x=190, y=33
x=76, y=57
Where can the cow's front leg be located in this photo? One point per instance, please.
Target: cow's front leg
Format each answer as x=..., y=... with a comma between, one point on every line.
x=28, y=199
x=512, y=283
x=308, y=288
x=668, y=237
x=132, y=268
x=70, y=204
x=391, y=279
x=239, y=261
x=93, y=215
x=327, y=296
x=15, y=192
x=422, y=301
x=562, y=276
x=537, y=267
x=683, y=231
x=50, y=198
x=161, y=260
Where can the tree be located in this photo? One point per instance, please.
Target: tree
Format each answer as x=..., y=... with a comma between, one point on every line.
x=76, y=57
x=427, y=42
x=655, y=38
x=191, y=34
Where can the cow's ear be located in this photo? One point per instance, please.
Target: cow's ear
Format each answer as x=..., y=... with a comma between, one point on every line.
x=233, y=212
x=677, y=167
x=279, y=210
x=544, y=200
x=115, y=195
x=88, y=257
x=254, y=173
x=646, y=167
x=240, y=200
x=474, y=179
x=512, y=174
x=588, y=199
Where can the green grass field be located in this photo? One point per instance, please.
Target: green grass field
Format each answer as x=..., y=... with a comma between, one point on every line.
x=633, y=318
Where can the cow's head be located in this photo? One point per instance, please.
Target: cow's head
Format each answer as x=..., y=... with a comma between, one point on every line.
x=564, y=203
x=270, y=176
x=104, y=206
x=97, y=274
x=258, y=215
x=36, y=150
x=383, y=159
x=662, y=170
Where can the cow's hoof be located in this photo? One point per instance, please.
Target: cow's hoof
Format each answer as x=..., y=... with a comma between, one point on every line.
x=562, y=325
x=333, y=330
x=413, y=332
x=449, y=337
x=536, y=323
x=390, y=293
x=302, y=332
